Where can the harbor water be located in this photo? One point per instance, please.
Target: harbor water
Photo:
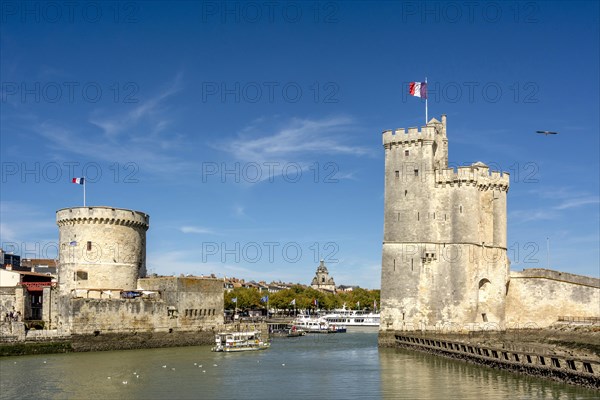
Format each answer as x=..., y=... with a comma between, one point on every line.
x=318, y=366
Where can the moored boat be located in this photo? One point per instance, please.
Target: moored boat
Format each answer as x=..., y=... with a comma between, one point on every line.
x=317, y=325
x=239, y=341
x=352, y=317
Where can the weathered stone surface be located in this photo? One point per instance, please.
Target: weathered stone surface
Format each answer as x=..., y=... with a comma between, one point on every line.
x=444, y=258
x=444, y=249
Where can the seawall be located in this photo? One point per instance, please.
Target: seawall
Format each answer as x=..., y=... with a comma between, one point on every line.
x=567, y=356
x=43, y=342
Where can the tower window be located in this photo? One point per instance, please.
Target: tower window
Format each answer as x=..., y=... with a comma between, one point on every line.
x=416, y=172
x=81, y=276
x=397, y=174
x=460, y=209
x=406, y=153
x=89, y=246
x=418, y=216
x=405, y=193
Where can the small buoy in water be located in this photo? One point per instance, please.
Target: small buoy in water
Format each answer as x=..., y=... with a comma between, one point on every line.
x=124, y=382
x=164, y=366
x=283, y=365
x=203, y=372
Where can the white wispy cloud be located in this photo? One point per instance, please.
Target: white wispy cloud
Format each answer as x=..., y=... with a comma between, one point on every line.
x=521, y=216
x=294, y=140
x=564, y=199
x=577, y=202
x=142, y=135
x=239, y=211
x=28, y=230
x=196, y=230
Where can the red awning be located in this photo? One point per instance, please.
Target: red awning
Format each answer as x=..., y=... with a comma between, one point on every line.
x=37, y=286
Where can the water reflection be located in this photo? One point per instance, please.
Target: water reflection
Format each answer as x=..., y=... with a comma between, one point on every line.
x=412, y=375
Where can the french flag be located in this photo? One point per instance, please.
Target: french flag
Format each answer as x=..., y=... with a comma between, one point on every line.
x=79, y=181
x=418, y=89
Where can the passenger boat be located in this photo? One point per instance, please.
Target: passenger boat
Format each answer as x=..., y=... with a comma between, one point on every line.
x=239, y=341
x=317, y=325
x=352, y=317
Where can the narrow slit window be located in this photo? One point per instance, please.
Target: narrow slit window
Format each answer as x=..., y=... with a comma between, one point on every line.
x=406, y=153
x=416, y=172
x=89, y=246
x=397, y=174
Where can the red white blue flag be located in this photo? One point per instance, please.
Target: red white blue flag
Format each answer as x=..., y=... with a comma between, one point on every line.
x=418, y=89
x=79, y=181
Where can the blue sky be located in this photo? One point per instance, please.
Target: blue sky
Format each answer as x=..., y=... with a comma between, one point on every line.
x=250, y=132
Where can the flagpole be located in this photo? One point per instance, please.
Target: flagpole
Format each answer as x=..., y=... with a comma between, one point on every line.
x=426, y=101
x=84, y=191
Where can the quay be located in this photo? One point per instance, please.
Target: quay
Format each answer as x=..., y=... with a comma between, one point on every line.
x=567, y=356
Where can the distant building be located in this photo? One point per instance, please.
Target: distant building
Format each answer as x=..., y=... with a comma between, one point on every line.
x=346, y=288
x=22, y=291
x=9, y=261
x=322, y=280
x=40, y=265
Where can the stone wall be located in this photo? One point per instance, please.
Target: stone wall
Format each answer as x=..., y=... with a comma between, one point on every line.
x=195, y=301
x=538, y=297
x=182, y=304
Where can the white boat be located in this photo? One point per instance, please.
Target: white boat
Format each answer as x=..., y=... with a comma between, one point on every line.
x=352, y=317
x=239, y=341
x=317, y=325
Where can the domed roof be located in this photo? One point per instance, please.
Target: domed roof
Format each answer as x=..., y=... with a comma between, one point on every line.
x=322, y=268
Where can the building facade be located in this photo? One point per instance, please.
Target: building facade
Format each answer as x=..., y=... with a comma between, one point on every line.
x=322, y=280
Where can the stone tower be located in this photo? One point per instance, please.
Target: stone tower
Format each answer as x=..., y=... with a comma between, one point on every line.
x=101, y=248
x=444, y=247
x=322, y=280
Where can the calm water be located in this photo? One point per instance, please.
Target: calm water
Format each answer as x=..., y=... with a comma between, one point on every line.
x=340, y=366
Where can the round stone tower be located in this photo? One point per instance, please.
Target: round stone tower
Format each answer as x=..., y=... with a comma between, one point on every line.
x=101, y=248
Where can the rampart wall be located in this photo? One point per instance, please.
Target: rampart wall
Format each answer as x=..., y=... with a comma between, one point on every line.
x=541, y=296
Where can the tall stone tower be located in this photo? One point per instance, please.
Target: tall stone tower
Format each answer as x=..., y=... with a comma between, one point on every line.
x=444, y=247
x=101, y=248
